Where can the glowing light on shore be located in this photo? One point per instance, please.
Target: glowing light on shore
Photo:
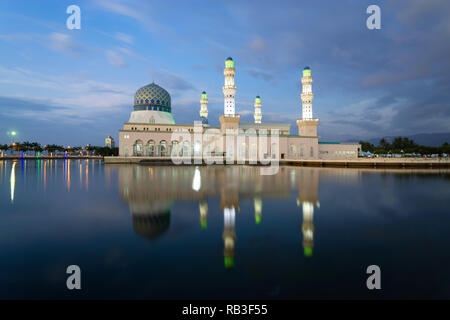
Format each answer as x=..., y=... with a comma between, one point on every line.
x=13, y=181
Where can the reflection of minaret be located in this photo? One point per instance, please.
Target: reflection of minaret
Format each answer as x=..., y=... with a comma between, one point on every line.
x=203, y=208
x=308, y=228
x=308, y=197
x=258, y=209
x=229, y=203
x=229, y=236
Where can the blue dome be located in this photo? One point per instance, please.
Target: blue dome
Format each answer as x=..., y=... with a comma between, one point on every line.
x=229, y=59
x=204, y=120
x=204, y=92
x=307, y=68
x=258, y=96
x=152, y=97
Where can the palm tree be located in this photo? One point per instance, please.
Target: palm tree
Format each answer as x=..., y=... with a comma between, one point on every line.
x=26, y=146
x=36, y=147
x=51, y=148
x=16, y=146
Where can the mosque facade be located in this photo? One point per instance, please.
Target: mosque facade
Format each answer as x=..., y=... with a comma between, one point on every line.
x=151, y=130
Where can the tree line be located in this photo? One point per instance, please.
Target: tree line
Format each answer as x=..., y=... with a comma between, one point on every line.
x=403, y=145
x=37, y=148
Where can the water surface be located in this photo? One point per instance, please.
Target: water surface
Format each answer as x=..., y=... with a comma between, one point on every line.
x=149, y=232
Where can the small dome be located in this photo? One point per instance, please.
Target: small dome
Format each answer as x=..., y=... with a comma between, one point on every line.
x=307, y=68
x=204, y=120
x=258, y=97
x=204, y=92
x=229, y=59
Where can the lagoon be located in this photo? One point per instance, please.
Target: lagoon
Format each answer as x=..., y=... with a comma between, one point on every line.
x=221, y=232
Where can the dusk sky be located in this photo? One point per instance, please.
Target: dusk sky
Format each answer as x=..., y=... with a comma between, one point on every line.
x=74, y=87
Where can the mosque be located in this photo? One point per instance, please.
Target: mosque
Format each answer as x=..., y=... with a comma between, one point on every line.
x=151, y=130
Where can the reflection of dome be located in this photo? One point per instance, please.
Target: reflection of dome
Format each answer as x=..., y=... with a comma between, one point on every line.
x=152, y=97
x=150, y=219
x=152, y=225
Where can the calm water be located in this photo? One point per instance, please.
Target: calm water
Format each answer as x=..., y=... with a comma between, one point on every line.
x=221, y=232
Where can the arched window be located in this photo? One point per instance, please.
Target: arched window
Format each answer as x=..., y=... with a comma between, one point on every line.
x=186, y=149
x=274, y=151
x=175, y=149
x=163, y=148
x=138, y=148
x=254, y=151
x=292, y=151
x=243, y=150
x=197, y=148
x=151, y=147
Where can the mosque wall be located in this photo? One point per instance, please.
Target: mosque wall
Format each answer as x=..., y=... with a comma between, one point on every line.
x=339, y=150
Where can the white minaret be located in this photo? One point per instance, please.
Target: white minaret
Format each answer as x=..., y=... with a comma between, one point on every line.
x=229, y=89
x=204, y=105
x=307, y=94
x=258, y=114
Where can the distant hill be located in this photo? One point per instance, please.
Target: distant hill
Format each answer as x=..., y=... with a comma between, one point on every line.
x=425, y=139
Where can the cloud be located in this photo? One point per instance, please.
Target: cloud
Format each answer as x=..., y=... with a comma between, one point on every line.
x=260, y=74
x=172, y=81
x=64, y=43
x=258, y=44
x=115, y=59
x=125, y=38
x=80, y=95
x=136, y=10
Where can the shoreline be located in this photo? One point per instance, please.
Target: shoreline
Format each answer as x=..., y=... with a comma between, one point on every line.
x=341, y=163
x=402, y=163
x=50, y=157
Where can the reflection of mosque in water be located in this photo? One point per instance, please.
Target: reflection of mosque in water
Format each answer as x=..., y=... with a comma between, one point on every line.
x=151, y=191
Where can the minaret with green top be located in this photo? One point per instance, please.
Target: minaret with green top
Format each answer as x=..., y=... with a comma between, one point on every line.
x=229, y=88
x=307, y=125
x=258, y=114
x=204, y=105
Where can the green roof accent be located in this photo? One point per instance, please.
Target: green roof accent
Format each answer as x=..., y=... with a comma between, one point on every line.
x=203, y=224
x=307, y=72
x=257, y=99
x=257, y=219
x=204, y=96
x=308, y=252
x=229, y=64
x=229, y=262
